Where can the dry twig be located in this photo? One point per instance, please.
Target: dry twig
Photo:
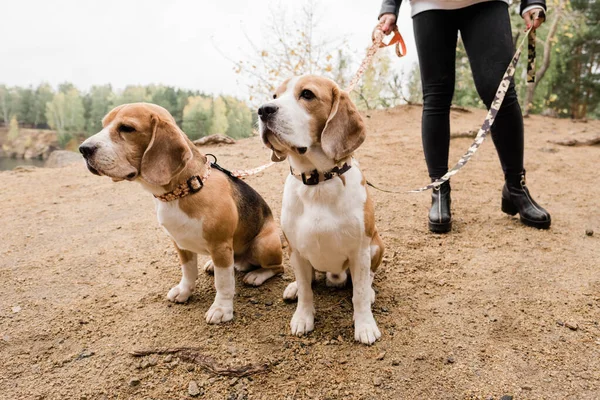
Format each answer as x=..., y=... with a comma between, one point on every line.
x=193, y=355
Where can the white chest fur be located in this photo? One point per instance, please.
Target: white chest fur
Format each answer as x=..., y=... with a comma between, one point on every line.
x=325, y=222
x=185, y=231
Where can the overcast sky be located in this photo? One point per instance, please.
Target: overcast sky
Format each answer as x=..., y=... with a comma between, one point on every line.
x=129, y=42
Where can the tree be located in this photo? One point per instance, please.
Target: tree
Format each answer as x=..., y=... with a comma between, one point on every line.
x=6, y=103
x=164, y=96
x=415, y=89
x=13, y=131
x=219, y=117
x=291, y=49
x=99, y=104
x=27, y=106
x=65, y=114
x=197, y=117
x=239, y=118
x=555, y=15
x=132, y=94
x=575, y=89
x=43, y=95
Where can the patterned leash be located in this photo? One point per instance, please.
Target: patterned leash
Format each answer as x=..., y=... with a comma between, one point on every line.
x=493, y=111
x=377, y=38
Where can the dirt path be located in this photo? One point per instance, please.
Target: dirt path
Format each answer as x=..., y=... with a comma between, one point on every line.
x=479, y=313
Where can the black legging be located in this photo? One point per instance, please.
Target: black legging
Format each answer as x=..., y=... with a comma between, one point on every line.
x=485, y=31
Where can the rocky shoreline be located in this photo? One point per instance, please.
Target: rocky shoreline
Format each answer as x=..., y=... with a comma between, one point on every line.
x=29, y=144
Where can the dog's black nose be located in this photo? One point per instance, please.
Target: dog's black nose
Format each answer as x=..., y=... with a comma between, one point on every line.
x=87, y=150
x=266, y=111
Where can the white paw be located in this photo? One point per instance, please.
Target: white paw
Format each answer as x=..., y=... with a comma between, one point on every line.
x=209, y=267
x=258, y=276
x=291, y=292
x=180, y=293
x=336, y=280
x=219, y=312
x=303, y=322
x=366, y=331
x=372, y=297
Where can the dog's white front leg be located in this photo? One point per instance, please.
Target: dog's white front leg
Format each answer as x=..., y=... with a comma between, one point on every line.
x=222, y=308
x=303, y=320
x=189, y=274
x=365, y=327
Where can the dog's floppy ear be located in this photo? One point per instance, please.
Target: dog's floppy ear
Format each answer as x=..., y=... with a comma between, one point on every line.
x=277, y=156
x=167, y=153
x=344, y=130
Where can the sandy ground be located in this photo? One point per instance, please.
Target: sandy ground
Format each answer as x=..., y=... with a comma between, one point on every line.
x=491, y=309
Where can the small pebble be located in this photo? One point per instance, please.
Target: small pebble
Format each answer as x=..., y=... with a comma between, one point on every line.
x=395, y=363
x=134, y=382
x=377, y=381
x=16, y=309
x=450, y=360
x=193, y=389
x=169, y=358
x=572, y=325
x=381, y=356
x=506, y=397
x=190, y=368
x=253, y=300
x=589, y=232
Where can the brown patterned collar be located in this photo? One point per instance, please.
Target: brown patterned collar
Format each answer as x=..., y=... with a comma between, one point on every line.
x=190, y=186
x=314, y=177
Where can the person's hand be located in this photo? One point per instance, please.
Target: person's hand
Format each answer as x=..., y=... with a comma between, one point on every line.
x=529, y=18
x=388, y=23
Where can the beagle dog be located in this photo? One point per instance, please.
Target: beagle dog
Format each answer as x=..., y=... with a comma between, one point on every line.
x=203, y=209
x=327, y=215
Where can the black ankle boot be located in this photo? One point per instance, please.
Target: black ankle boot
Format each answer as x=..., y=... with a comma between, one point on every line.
x=440, y=218
x=516, y=199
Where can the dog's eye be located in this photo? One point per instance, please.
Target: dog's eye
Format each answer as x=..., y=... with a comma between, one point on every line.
x=274, y=96
x=307, y=94
x=126, y=128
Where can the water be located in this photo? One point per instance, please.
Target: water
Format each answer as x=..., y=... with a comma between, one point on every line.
x=10, y=163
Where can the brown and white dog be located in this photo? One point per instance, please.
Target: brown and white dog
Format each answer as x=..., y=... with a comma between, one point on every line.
x=327, y=215
x=203, y=210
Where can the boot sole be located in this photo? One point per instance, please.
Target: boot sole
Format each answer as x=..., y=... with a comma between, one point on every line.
x=510, y=209
x=437, y=227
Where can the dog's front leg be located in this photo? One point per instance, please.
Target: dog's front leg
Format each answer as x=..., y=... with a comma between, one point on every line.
x=365, y=327
x=189, y=274
x=303, y=320
x=222, y=308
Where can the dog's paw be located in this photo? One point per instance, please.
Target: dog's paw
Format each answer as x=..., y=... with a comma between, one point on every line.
x=219, y=312
x=366, y=331
x=209, y=267
x=180, y=293
x=303, y=322
x=258, y=276
x=291, y=292
x=336, y=280
x=244, y=266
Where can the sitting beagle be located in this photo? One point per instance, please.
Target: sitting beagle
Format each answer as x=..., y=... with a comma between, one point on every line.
x=204, y=210
x=327, y=215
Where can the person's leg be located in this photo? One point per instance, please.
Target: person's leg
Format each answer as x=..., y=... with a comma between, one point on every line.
x=485, y=31
x=435, y=35
x=489, y=57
